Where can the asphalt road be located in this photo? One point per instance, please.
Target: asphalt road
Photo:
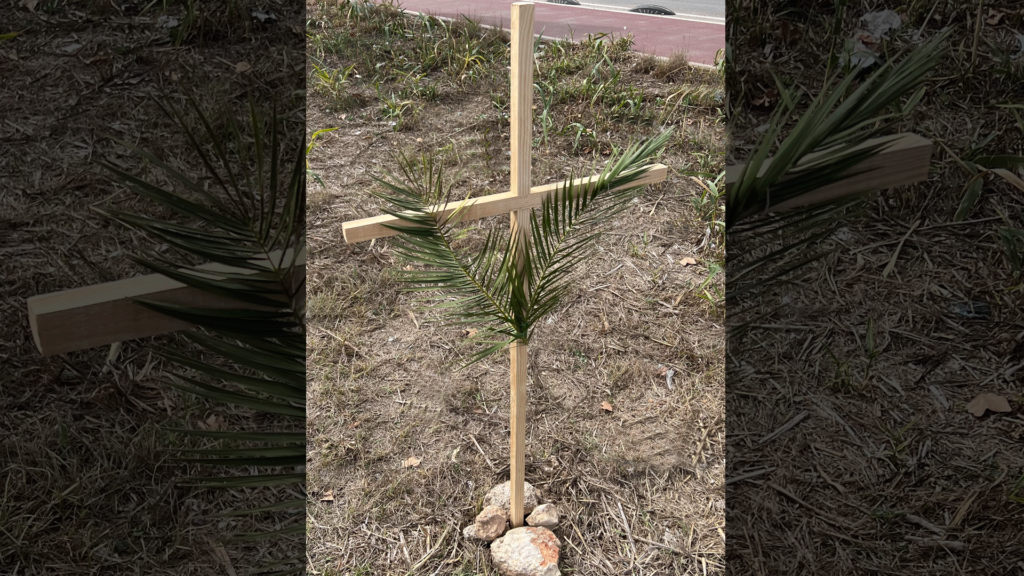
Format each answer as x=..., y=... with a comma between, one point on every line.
x=700, y=37
x=708, y=8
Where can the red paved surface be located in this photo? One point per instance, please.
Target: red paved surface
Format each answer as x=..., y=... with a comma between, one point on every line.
x=653, y=34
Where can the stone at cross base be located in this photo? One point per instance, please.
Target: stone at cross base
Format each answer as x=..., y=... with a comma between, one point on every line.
x=500, y=496
x=545, y=515
x=527, y=551
x=489, y=524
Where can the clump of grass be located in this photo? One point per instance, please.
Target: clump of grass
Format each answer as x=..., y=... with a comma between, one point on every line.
x=196, y=22
x=333, y=85
x=606, y=46
x=400, y=114
x=674, y=69
x=710, y=201
x=388, y=45
x=419, y=86
x=646, y=64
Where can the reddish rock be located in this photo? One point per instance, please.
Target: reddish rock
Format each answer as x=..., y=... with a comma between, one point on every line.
x=528, y=551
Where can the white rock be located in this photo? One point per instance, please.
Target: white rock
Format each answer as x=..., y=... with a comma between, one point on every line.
x=545, y=515
x=501, y=494
x=489, y=524
x=526, y=551
x=879, y=24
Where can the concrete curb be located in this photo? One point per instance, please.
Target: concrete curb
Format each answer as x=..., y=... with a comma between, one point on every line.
x=573, y=40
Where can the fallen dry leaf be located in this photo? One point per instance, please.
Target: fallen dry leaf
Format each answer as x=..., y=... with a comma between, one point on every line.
x=328, y=496
x=469, y=333
x=354, y=425
x=411, y=462
x=242, y=67
x=994, y=16
x=987, y=401
x=606, y=406
x=688, y=261
x=767, y=98
x=213, y=422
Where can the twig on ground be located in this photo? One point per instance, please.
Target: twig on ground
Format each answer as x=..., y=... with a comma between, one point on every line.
x=629, y=533
x=431, y=552
x=932, y=543
x=749, y=475
x=489, y=463
x=785, y=427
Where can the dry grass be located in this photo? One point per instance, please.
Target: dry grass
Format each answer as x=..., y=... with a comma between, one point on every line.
x=87, y=487
x=675, y=67
x=850, y=449
x=639, y=489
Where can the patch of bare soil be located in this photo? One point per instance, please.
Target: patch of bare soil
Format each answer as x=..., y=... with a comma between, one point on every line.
x=87, y=486
x=850, y=447
x=639, y=489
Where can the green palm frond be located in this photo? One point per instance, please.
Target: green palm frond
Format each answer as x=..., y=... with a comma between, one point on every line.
x=486, y=288
x=831, y=129
x=569, y=223
x=826, y=142
x=249, y=229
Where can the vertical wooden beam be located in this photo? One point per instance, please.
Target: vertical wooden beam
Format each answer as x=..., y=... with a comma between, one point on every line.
x=521, y=109
x=517, y=463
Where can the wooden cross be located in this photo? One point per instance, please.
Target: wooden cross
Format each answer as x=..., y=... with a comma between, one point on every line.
x=518, y=203
x=104, y=314
x=904, y=161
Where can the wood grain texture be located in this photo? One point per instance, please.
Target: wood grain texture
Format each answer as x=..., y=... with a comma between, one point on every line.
x=102, y=314
x=521, y=112
x=517, y=440
x=521, y=106
x=904, y=162
x=369, y=228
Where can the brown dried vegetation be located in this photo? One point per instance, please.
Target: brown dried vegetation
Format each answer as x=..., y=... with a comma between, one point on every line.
x=87, y=487
x=850, y=449
x=639, y=488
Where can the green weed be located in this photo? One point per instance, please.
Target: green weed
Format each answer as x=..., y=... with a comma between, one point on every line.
x=401, y=114
x=332, y=84
x=309, y=149
x=709, y=203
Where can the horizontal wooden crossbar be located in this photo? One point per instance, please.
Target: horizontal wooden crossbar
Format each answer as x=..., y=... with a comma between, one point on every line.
x=102, y=314
x=905, y=161
x=370, y=228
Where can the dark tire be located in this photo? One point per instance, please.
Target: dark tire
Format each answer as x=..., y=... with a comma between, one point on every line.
x=652, y=9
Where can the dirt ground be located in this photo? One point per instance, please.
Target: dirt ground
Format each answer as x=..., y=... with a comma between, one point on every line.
x=850, y=449
x=87, y=485
x=640, y=489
